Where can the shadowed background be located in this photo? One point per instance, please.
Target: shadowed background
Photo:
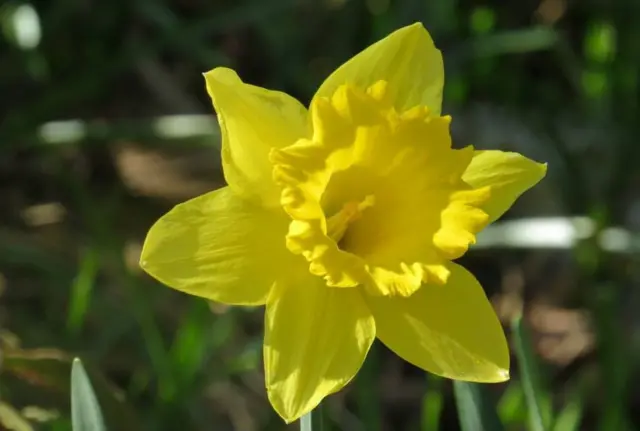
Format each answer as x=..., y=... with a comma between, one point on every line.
x=105, y=124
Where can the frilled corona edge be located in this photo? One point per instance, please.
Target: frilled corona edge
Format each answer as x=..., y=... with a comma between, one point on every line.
x=362, y=144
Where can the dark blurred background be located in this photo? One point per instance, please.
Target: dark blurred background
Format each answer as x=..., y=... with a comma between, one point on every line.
x=105, y=124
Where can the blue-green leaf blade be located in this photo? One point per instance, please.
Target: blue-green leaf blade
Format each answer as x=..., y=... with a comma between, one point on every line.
x=85, y=410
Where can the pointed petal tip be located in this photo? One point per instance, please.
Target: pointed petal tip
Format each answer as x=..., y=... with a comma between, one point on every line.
x=543, y=167
x=417, y=26
x=499, y=375
x=540, y=171
x=503, y=375
x=209, y=73
x=218, y=69
x=221, y=75
x=287, y=416
x=496, y=375
x=418, y=30
x=146, y=265
x=414, y=25
x=144, y=261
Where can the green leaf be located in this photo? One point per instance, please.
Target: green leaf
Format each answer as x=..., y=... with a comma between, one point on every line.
x=512, y=409
x=85, y=411
x=476, y=409
x=538, y=401
x=570, y=417
x=514, y=42
x=432, y=403
x=48, y=370
x=366, y=396
x=81, y=290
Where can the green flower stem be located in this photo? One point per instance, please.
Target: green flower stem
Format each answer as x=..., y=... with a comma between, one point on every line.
x=312, y=420
x=306, y=422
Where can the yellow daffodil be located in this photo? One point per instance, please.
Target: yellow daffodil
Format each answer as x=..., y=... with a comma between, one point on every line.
x=344, y=220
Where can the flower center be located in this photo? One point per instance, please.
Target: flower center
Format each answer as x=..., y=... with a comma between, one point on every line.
x=424, y=213
x=351, y=211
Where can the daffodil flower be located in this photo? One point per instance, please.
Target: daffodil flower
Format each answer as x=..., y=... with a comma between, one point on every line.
x=344, y=220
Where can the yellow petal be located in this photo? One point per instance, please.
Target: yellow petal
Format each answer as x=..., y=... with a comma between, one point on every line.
x=508, y=175
x=406, y=59
x=220, y=247
x=449, y=330
x=252, y=121
x=316, y=340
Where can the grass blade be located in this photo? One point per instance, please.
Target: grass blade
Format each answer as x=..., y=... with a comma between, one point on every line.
x=81, y=291
x=512, y=409
x=538, y=403
x=432, y=403
x=366, y=396
x=570, y=417
x=85, y=411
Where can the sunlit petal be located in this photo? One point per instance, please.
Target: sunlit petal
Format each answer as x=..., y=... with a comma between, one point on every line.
x=316, y=341
x=406, y=59
x=449, y=330
x=507, y=175
x=252, y=121
x=220, y=247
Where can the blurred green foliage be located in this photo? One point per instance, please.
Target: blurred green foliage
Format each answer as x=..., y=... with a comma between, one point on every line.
x=554, y=79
